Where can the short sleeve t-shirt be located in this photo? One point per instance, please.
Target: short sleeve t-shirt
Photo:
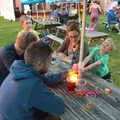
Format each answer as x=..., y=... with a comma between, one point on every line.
x=33, y=31
x=102, y=69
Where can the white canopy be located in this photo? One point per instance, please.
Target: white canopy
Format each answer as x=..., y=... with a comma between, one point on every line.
x=7, y=9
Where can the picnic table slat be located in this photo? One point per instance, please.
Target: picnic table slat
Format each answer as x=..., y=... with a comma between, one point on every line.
x=109, y=99
x=55, y=38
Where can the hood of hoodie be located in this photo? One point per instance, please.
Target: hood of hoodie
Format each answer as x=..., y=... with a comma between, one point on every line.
x=20, y=70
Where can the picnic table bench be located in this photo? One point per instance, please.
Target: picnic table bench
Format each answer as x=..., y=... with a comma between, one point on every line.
x=106, y=106
x=63, y=27
x=45, y=23
x=55, y=38
x=95, y=34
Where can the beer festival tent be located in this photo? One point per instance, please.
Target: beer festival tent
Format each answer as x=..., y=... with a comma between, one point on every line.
x=30, y=2
x=7, y=7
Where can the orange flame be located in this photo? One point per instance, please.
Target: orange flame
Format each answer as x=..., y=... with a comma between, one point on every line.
x=72, y=76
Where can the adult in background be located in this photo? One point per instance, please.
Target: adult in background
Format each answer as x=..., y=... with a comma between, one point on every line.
x=94, y=11
x=113, y=19
x=13, y=52
x=69, y=50
x=73, y=13
x=17, y=12
x=63, y=15
x=56, y=12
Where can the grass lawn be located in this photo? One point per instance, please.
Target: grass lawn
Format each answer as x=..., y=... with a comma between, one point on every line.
x=8, y=32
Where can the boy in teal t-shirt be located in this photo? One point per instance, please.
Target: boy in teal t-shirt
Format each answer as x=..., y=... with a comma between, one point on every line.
x=98, y=59
x=103, y=69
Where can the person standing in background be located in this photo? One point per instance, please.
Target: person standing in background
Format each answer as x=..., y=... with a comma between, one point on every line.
x=94, y=11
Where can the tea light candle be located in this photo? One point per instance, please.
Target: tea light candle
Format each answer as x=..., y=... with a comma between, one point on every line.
x=71, y=81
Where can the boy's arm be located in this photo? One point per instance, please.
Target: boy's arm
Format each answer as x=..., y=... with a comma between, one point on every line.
x=89, y=67
x=86, y=60
x=45, y=100
x=54, y=78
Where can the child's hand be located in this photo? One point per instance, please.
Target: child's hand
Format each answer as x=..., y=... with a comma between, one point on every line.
x=83, y=70
x=81, y=64
x=76, y=68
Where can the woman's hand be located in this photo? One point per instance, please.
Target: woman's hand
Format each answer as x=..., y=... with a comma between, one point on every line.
x=65, y=58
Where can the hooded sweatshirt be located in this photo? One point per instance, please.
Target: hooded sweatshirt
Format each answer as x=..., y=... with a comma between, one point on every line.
x=7, y=55
x=24, y=91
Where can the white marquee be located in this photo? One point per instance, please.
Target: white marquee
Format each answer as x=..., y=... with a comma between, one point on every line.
x=7, y=9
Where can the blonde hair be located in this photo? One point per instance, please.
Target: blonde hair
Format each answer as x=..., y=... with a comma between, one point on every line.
x=23, y=18
x=24, y=40
x=108, y=43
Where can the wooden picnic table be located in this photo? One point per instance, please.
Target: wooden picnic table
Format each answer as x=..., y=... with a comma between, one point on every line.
x=106, y=106
x=47, y=24
x=63, y=27
x=95, y=34
x=55, y=39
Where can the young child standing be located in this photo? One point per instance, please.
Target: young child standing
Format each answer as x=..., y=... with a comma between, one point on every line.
x=98, y=59
x=24, y=94
x=26, y=24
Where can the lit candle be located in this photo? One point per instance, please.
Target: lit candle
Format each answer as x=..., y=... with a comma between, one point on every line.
x=71, y=81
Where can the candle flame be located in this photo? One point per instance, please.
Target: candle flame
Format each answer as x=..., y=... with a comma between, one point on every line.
x=72, y=76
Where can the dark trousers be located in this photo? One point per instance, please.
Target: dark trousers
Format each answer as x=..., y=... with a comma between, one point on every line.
x=107, y=76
